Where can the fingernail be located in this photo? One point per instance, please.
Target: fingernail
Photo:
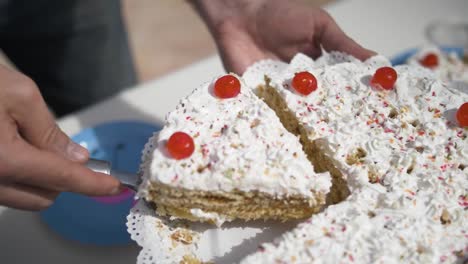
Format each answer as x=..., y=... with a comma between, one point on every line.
x=77, y=152
x=118, y=190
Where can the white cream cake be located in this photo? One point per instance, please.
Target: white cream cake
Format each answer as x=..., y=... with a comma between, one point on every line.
x=245, y=164
x=401, y=153
x=398, y=158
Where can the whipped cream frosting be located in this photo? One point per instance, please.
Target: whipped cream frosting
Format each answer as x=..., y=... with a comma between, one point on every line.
x=402, y=152
x=240, y=144
x=217, y=219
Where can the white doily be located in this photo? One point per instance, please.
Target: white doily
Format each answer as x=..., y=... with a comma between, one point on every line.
x=167, y=241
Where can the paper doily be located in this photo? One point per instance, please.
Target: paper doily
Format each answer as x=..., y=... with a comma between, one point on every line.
x=170, y=241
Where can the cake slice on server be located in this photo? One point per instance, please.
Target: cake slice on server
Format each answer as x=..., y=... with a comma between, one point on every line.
x=223, y=154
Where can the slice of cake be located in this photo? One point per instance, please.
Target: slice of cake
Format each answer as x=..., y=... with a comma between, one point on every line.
x=397, y=138
x=223, y=154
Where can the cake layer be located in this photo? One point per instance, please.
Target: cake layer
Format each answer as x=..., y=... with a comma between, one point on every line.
x=217, y=207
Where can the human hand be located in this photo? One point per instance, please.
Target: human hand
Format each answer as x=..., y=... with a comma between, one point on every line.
x=248, y=31
x=37, y=160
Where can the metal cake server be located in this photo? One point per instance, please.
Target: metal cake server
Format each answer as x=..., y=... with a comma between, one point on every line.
x=127, y=179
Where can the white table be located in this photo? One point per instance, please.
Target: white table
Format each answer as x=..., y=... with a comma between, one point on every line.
x=387, y=27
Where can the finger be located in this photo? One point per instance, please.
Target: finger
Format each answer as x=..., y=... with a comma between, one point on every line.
x=26, y=197
x=35, y=122
x=48, y=170
x=333, y=38
x=313, y=50
x=238, y=52
x=236, y=58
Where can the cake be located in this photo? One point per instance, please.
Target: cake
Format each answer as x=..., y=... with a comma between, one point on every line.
x=393, y=141
x=223, y=154
x=398, y=143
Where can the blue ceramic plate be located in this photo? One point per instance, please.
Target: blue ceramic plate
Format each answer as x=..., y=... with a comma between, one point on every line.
x=401, y=58
x=101, y=221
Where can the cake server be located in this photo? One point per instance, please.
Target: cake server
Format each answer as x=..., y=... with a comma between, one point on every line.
x=127, y=179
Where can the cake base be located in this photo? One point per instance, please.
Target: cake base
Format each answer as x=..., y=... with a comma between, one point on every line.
x=230, y=205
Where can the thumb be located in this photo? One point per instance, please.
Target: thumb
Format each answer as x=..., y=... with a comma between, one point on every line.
x=49, y=171
x=37, y=126
x=55, y=140
x=333, y=38
x=237, y=48
x=48, y=136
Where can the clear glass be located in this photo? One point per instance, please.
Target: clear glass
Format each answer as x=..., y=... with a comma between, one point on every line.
x=448, y=33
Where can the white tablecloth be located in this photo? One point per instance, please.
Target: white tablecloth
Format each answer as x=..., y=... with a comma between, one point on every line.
x=387, y=27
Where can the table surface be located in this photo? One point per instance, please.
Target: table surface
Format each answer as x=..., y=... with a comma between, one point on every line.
x=387, y=27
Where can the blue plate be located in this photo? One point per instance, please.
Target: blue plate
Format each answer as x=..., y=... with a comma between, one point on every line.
x=401, y=58
x=101, y=221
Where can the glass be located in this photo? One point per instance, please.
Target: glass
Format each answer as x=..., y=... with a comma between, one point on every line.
x=448, y=33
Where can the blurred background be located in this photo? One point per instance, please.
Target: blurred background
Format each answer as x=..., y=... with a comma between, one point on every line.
x=166, y=35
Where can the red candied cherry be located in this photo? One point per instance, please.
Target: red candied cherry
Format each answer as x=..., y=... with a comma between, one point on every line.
x=430, y=60
x=227, y=86
x=384, y=78
x=180, y=145
x=462, y=115
x=304, y=82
